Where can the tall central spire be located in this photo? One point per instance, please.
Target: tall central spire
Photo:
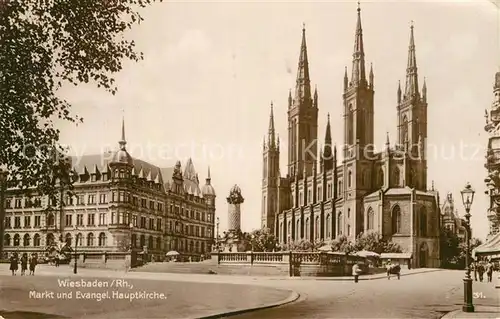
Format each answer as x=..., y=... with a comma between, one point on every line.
x=123, y=142
x=303, y=86
x=358, y=57
x=272, y=132
x=411, y=88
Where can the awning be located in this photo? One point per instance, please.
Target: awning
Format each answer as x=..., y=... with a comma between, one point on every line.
x=395, y=256
x=492, y=246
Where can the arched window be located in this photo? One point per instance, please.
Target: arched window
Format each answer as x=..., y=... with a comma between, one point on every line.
x=340, y=223
x=297, y=230
x=49, y=239
x=381, y=177
x=90, y=239
x=6, y=240
x=371, y=219
x=50, y=219
x=68, y=239
x=348, y=230
x=423, y=222
x=340, y=189
x=307, y=230
x=317, y=230
x=397, y=177
x=79, y=241
x=328, y=227
x=289, y=231
x=191, y=245
x=396, y=220
x=102, y=239
x=404, y=130
x=26, y=240
x=158, y=243
x=36, y=240
x=133, y=240
x=17, y=240
x=349, y=179
x=350, y=125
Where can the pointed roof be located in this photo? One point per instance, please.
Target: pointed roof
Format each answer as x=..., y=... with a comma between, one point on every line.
x=272, y=137
x=358, y=61
x=327, y=152
x=411, y=87
x=303, y=84
x=189, y=171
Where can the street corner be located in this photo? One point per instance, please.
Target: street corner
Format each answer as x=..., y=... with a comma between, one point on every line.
x=483, y=312
x=293, y=297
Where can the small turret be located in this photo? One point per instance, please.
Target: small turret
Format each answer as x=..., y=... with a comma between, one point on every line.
x=290, y=100
x=372, y=83
x=424, y=91
x=399, y=92
x=346, y=80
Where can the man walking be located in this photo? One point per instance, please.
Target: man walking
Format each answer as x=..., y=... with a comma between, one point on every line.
x=489, y=271
x=356, y=271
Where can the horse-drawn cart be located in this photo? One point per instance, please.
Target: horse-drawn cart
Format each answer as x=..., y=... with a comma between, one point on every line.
x=393, y=270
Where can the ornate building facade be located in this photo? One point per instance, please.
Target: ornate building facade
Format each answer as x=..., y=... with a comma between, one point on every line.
x=322, y=198
x=450, y=219
x=119, y=203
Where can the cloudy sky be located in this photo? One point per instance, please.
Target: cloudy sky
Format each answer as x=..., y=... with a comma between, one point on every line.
x=212, y=68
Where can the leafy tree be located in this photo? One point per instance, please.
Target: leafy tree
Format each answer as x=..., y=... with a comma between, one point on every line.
x=343, y=244
x=453, y=249
x=45, y=45
x=298, y=245
x=261, y=240
x=373, y=241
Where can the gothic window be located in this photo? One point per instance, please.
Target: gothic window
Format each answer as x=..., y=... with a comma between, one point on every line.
x=50, y=219
x=371, y=219
x=381, y=177
x=308, y=230
x=17, y=239
x=68, y=239
x=90, y=239
x=264, y=173
x=289, y=230
x=348, y=230
x=340, y=189
x=328, y=227
x=350, y=125
x=6, y=240
x=404, y=134
x=397, y=177
x=396, y=220
x=297, y=230
x=423, y=222
x=340, y=223
x=317, y=228
x=349, y=179
x=49, y=239
x=102, y=239
x=78, y=239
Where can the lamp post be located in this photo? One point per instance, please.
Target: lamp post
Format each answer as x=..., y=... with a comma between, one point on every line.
x=217, y=238
x=467, y=198
x=132, y=244
x=252, y=238
x=3, y=179
x=75, y=268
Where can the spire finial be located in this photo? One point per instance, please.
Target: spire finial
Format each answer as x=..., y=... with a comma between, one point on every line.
x=411, y=24
x=123, y=142
x=359, y=7
x=303, y=26
x=328, y=117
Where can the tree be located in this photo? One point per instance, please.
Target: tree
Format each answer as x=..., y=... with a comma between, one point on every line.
x=261, y=240
x=373, y=241
x=453, y=249
x=343, y=244
x=298, y=245
x=43, y=46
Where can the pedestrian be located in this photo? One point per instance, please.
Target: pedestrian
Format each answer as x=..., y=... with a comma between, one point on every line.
x=489, y=271
x=356, y=271
x=473, y=266
x=480, y=270
x=57, y=260
x=13, y=263
x=388, y=267
x=33, y=262
x=24, y=264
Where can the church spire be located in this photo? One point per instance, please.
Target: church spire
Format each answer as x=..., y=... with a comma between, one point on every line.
x=327, y=155
x=411, y=88
x=123, y=142
x=358, y=61
x=208, y=180
x=303, y=85
x=271, y=138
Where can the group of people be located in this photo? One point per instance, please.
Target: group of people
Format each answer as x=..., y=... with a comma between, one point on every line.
x=392, y=269
x=481, y=267
x=24, y=261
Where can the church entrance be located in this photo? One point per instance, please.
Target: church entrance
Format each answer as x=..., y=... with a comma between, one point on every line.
x=423, y=255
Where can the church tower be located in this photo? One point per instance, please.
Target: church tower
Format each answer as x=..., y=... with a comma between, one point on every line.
x=302, y=120
x=412, y=122
x=271, y=159
x=358, y=138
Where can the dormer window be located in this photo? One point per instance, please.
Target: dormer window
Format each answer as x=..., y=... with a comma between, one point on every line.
x=105, y=176
x=93, y=177
x=122, y=173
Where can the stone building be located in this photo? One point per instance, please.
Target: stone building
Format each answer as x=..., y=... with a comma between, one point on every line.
x=450, y=218
x=119, y=202
x=322, y=197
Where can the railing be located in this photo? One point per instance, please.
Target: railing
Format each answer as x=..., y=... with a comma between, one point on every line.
x=233, y=257
x=267, y=257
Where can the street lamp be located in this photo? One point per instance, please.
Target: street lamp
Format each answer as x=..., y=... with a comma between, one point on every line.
x=3, y=179
x=467, y=198
x=217, y=238
x=132, y=244
x=252, y=239
x=75, y=268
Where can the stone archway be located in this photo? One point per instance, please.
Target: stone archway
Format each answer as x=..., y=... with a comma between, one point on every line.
x=423, y=255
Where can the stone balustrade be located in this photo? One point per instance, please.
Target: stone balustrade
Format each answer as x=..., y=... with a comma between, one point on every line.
x=293, y=263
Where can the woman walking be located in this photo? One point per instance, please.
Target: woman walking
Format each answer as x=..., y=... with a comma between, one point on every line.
x=24, y=264
x=13, y=263
x=33, y=264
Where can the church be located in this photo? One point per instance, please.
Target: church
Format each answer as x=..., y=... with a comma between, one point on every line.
x=323, y=197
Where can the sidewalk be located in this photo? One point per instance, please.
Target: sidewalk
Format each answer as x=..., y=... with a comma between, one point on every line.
x=46, y=270
x=482, y=309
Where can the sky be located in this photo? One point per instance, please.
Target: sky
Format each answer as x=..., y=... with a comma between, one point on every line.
x=212, y=68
